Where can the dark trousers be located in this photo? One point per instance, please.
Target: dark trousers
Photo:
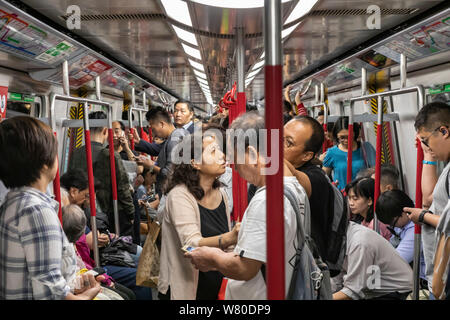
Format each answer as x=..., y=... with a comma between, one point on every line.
x=165, y=296
x=127, y=277
x=393, y=296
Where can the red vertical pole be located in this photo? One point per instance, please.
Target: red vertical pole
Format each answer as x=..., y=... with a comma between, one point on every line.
x=132, y=140
x=378, y=163
x=87, y=137
x=57, y=187
x=417, y=227
x=242, y=184
x=274, y=124
x=324, y=146
x=350, y=151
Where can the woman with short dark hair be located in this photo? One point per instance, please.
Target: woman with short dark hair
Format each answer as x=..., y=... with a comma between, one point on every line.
x=37, y=260
x=363, y=154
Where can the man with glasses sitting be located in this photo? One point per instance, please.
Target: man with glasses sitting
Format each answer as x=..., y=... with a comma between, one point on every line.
x=432, y=126
x=389, y=210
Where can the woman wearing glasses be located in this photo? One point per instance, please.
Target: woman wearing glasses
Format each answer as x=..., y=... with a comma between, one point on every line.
x=336, y=157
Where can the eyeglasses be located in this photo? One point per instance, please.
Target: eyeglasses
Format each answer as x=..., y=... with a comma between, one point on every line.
x=342, y=138
x=425, y=141
x=392, y=226
x=395, y=222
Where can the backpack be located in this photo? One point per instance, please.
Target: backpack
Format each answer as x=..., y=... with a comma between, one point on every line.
x=311, y=277
x=336, y=245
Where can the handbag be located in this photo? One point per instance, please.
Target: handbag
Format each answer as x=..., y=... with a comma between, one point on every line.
x=119, y=252
x=148, y=267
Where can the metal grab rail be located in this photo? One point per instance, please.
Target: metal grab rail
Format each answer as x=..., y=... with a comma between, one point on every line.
x=56, y=182
x=130, y=114
x=320, y=103
x=420, y=102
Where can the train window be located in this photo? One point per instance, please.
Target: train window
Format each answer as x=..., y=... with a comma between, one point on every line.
x=439, y=93
x=23, y=104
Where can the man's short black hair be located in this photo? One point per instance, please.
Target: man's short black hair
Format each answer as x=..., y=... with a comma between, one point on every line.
x=188, y=103
x=158, y=114
x=26, y=145
x=390, y=205
x=432, y=116
x=315, y=142
x=390, y=175
x=75, y=178
x=97, y=115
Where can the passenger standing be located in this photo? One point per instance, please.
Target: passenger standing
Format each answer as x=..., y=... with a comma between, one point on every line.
x=335, y=161
x=36, y=260
x=161, y=125
x=432, y=126
x=102, y=173
x=196, y=214
x=243, y=265
x=303, y=138
x=121, y=143
x=183, y=115
x=360, y=199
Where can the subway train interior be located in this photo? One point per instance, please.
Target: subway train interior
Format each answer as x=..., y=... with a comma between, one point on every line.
x=373, y=63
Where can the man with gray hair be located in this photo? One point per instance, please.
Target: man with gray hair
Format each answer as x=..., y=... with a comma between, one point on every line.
x=244, y=265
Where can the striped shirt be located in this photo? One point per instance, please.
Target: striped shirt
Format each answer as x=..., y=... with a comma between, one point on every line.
x=36, y=259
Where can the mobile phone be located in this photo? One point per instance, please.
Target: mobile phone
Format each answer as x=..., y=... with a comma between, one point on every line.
x=149, y=198
x=187, y=248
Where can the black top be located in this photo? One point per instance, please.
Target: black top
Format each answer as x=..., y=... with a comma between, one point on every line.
x=213, y=223
x=321, y=202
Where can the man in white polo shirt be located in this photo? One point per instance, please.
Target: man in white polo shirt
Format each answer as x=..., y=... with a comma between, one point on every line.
x=243, y=265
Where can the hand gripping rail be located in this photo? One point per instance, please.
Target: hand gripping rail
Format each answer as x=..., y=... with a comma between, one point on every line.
x=140, y=110
x=56, y=183
x=380, y=96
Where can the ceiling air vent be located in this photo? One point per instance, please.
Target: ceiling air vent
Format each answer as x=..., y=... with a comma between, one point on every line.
x=117, y=16
x=360, y=12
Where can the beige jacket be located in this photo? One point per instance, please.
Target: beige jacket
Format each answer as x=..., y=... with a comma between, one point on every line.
x=180, y=227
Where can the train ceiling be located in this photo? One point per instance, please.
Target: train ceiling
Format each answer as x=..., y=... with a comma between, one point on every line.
x=188, y=47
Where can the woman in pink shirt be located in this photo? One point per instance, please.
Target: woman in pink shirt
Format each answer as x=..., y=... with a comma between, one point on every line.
x=360, y=194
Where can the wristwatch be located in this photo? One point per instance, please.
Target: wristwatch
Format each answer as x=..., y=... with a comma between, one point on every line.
x=422, y=215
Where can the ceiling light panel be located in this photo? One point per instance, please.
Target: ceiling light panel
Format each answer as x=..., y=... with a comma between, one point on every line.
x=234, y=4
x=258, y=65
x=202, y=81
x=185, y=35
x=192, y=51
x=196, y=65
x=178, y=10
x=253, y=73
x=200, y=74
x=302, y=8
x=288, y=31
